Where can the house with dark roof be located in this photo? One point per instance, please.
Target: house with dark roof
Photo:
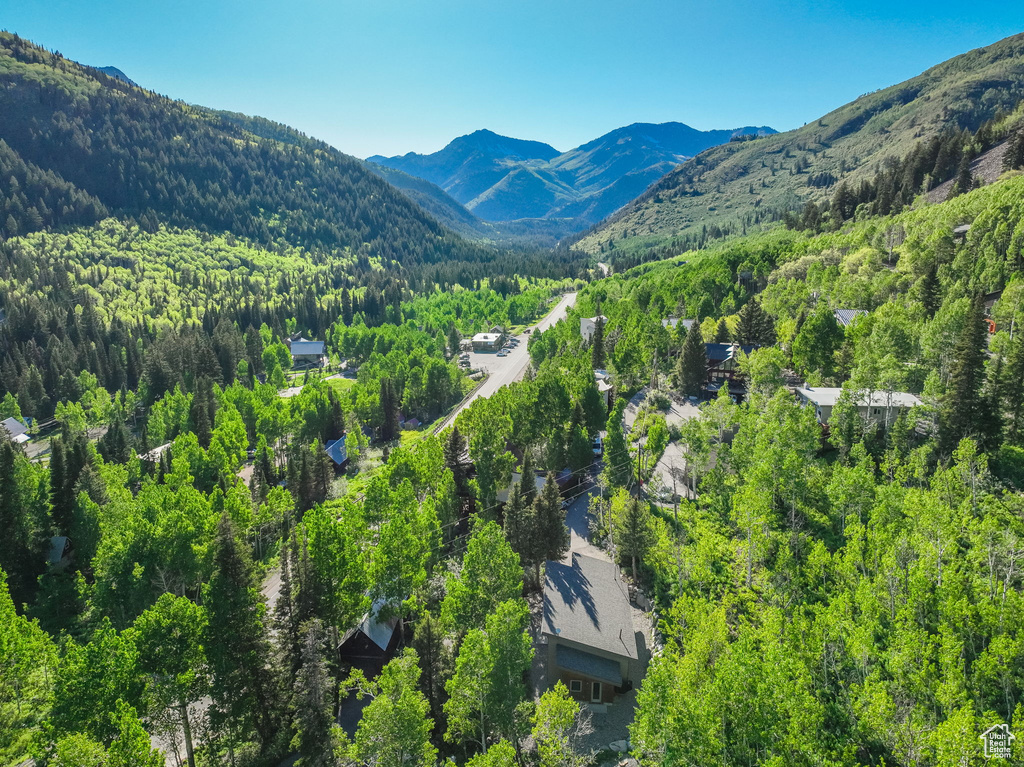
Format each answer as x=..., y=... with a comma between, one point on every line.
x=337, y=451
x=308, y=352
x=16, y=430
x=724, y=367
x=372, y=643
x=588, y=626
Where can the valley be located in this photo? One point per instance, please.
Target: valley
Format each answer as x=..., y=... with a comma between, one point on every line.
x=677, y=448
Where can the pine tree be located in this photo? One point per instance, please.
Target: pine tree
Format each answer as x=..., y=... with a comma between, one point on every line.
x=454, y=450
x=597, y=345
x=521, y=529
x=634, y=533
x=315, y=732
x=721, y=332
x=618, y=465
x=527, y=483
x=551, y=528
x=754, y=326
x=1014, y=157
x=692, y=368
x=964, y=181
x=429, y=643
x=963, y=407
x=1013, y=391
x=236, y=643
x=931, y=291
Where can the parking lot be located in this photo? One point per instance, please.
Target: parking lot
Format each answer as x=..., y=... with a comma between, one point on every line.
x=505, y=370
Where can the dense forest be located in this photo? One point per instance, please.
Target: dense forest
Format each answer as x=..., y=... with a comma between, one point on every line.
x=183, y=560
x=852, y=601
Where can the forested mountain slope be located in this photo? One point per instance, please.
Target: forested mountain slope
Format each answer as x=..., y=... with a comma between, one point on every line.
x=739, y=185
x=502, y=179
x=107, y=146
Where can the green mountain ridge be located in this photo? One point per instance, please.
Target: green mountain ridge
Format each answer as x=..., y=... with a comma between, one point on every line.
x=742, y=184
x=120, y=150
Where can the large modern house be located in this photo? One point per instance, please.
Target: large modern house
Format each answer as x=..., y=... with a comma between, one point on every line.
x=307, y=352
x=588, y=625
x=876, y=407
x=589, y=324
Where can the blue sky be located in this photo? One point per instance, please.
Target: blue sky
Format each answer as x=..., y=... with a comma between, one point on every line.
x=388, y=77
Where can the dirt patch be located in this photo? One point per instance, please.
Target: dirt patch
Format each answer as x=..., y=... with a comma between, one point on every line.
x=988, y=166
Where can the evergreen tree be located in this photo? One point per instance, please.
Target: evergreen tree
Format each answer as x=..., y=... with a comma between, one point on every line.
x=522, y=530
x=618, y=465
x=316, y=735
x=429, y=643
x=454, y=451
x=721, y=332
x=1013, y=391
x=634, y=533
x=1014, y=157
x=754, y=326
x=692, y=368
x=551, y=528
x=527, y=483
x=964, y=410
x=597, y=344
x=931, y=290
x=964, y=181
x=236, y=644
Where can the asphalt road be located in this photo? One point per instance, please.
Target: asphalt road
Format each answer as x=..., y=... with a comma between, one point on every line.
x=502, y=371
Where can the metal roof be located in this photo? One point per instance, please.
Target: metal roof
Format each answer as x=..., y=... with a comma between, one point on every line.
x=14, y=427
x=588, y=604
x=337, y=450
x=828, y=396
x=846, y=316
x=307, y=348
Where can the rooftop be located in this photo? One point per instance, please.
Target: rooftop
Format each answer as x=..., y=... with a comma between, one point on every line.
x=302, y=346
x=846, y=316
x=587, y=603
x=828, y=396
x=14, y=428
x=337, y=451
x=486, y=337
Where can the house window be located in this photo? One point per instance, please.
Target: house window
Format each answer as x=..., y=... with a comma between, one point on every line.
x=575, y=685
x=877, y=411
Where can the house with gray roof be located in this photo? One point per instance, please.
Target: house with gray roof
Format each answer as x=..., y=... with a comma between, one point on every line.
x=588, y=626
x=311, y=352
x=16, y=430
x=874, y=407
x=845, y=317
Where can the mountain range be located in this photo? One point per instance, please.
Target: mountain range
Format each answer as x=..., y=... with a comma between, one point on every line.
x=498, y=178
x=743, y=184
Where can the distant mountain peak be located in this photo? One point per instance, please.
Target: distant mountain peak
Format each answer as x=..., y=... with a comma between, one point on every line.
x=117, y=74
x=500, y=178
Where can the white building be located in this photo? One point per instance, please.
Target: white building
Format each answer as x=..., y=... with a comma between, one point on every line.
x=588, y=325
x=488, y=342
x=877, y=407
